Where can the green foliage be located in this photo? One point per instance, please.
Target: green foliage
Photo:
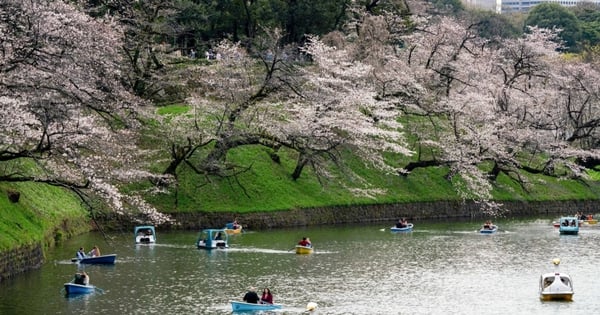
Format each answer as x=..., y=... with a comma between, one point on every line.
x=491, y=25
x=205, y=22
x=594, y=174
x=554, y=16
x=452, y=7
x=41, y=210
x=173, y=109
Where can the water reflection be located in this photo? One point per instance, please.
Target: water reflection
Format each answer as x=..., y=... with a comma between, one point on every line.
x=439, y=267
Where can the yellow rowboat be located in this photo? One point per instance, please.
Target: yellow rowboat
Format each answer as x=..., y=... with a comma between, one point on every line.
x=234, y=231
x=233, y=228
x=304, y=250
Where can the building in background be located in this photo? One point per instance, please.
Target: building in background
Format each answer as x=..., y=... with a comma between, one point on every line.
x=509, y=6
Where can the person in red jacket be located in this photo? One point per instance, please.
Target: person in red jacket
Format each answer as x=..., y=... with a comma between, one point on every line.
x=305, y=242
x=267, y=297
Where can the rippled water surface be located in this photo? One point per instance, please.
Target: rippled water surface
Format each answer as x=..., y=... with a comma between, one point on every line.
x=442, y=267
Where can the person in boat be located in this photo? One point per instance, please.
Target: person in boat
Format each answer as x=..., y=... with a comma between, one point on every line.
x=305, y=242
x=488, y=225
x=82, y=278
x=94, y=252
x=236, y=225
x=573, y=223
x=219, y=236
x=402, y=223
x=80, y=253
x=267, y=297
x=251, y=296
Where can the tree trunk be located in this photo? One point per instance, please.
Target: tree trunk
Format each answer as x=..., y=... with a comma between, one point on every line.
x=302, y=160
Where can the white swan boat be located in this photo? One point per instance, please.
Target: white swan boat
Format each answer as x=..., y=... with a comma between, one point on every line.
x=556, y=285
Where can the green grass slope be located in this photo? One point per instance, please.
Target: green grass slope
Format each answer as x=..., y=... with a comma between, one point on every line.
x=268, y=186
x=43, y=214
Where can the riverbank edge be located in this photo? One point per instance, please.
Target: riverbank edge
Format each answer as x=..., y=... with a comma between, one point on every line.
x=361, y=214
x=29, y=257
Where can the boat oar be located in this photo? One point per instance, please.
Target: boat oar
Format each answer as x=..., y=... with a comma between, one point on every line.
x=98, y=290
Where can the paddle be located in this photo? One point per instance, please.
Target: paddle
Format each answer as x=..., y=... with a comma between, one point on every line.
x=98, y=290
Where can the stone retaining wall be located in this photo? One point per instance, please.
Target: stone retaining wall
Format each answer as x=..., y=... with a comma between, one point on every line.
x=29, y=257
x=20, y=260
x=377, y=213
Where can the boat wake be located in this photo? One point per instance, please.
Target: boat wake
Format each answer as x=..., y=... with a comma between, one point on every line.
x=271, y=251
x=259, y=250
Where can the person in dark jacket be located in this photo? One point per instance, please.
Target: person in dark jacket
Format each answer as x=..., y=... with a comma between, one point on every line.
x=251, y=296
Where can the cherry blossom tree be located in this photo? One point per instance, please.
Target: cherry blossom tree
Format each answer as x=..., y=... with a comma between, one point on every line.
x=488, y=102
x=65, y=118
x=272, y=97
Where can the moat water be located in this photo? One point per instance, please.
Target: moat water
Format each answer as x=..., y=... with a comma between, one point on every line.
x=440, y=267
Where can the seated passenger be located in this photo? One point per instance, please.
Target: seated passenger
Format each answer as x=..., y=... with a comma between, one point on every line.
x=81, y=278
x=305, y=242
x=488, y=225
x=80, y=253
x=218, y=236
x=251, y=296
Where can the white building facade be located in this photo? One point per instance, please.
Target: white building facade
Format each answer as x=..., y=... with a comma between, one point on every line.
x=508, y=6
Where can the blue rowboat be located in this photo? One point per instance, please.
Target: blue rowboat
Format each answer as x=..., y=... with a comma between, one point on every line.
x=490, y=230
x=407, y=228
x=100, y=260
x=144, y=234
x=72, y=288
x=243, y=306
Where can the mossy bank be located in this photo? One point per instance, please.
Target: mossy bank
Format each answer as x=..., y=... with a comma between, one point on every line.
x=34, y=218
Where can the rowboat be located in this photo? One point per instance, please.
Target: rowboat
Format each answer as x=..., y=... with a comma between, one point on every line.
x=304, y=250
x=488, y=230
x=212, y=239
x=232, y=228
x=556, y=285
x=569, y=225
x=144, y=234
x=407, y=228
x=243, y=306
x=100, y=260
x=72, y=288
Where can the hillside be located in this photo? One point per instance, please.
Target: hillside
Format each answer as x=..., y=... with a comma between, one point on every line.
x=43, y=214
x=267, y=186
